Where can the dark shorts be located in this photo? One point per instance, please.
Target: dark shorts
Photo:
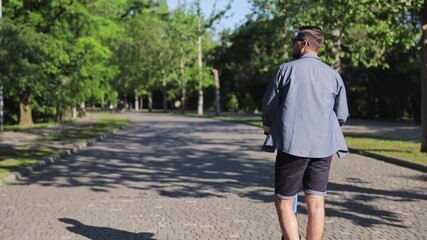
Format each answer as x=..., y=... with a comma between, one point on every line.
x=292, y=171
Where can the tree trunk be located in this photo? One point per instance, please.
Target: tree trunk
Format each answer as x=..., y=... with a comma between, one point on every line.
x=136, y=102
x=150, y=102
x=58, y=112
x=74, y=112
x=164, y=91
x=68, y=113
x=200, y=62
x=183, y=86
x=1, y=105
x=183, y=97
x=25, y=116
x=200, y=102
x=165, y=103
x=336, y=49
x=217, y=92
x=82, y=108
x=424, y=79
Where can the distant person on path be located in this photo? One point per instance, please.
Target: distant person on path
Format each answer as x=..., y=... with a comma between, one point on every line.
x=303, y=108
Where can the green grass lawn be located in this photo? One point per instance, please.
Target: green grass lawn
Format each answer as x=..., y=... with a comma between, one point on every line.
x=405, y=150
x=14, y=158
x=106, y=124
x=393, y=148
x=16, y=128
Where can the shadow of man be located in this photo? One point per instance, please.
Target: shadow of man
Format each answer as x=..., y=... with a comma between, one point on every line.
x=102, y=233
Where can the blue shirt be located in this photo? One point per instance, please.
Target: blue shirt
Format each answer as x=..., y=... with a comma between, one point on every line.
x=305, y=105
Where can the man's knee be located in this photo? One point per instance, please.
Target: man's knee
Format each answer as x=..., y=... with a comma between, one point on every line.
x=314, y=202
x=284, y=204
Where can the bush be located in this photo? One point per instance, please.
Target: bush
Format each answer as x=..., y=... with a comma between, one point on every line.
x=233, y=103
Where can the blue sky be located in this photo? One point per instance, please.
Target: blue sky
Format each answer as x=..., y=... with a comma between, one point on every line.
x=239, y=8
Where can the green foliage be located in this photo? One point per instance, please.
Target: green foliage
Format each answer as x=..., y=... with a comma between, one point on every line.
x=142, y=48
x=22, y=59
x=360, y=32
x=57, y=54
x=247, y=61
x=233, y=103
x=365, y=40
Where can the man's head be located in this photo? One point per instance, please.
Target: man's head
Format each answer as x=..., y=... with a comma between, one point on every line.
x=308, y=40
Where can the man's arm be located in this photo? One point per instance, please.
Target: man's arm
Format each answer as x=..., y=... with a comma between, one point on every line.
x=341, y=107
x=270, y=102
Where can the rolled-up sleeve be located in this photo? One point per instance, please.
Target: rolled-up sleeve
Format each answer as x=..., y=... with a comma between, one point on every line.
x=341, y=107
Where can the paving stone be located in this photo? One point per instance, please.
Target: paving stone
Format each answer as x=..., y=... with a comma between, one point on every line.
x=170, y=177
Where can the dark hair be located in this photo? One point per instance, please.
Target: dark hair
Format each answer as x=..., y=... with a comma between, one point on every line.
x=312, y=34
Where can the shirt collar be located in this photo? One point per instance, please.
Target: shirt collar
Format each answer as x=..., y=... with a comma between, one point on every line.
x=310, y=55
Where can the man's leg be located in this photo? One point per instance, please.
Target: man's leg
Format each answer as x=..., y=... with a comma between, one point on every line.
x=289, y=172
x=316, y=216
x=287, y=218
x=315, y=186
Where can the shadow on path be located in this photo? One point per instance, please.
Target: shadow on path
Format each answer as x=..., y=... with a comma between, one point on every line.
x=179, y=159
x=359, y=208
x=199, y=158
x=102, y=233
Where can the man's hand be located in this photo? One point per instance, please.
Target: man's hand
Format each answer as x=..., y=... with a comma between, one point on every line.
x=266, y=129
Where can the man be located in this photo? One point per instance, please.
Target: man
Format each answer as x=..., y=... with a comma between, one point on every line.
x=303, y=109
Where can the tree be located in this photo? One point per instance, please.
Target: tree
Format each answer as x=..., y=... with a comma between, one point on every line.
x=144, y=53
x=202, y=26
x=359, y=32
x=246, y=59
x=87, y=31
x=361, y=36
x=22, y=60
x=181, y=32
x=62, y=57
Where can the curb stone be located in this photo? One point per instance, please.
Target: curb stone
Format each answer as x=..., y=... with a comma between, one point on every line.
x=393, y=160
x=26, y=171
